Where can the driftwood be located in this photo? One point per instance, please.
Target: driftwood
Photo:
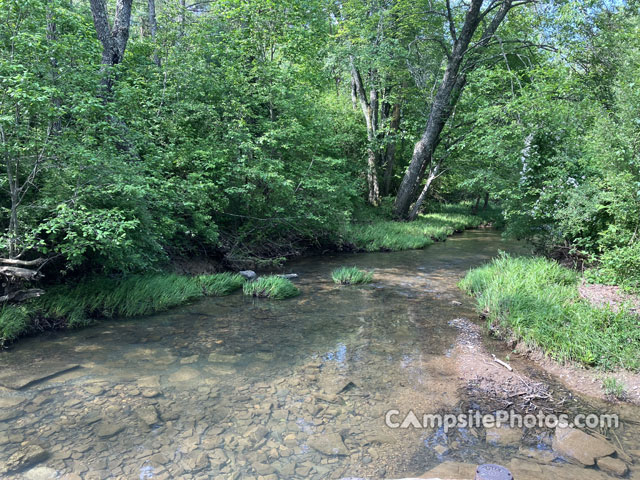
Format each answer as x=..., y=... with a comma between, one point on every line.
x=23, y=263
x=22, y=295
x=14, y=273
x=505, y=365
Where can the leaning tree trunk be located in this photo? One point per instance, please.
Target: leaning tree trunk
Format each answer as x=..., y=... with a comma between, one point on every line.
x=390, y=150
x=452, y=85
x=433, y=174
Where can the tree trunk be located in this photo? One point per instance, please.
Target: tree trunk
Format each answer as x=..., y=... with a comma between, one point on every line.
x=370, y=112
x=113, y=39
x=486, y=201
x=390, y=150
x=451, y=86
x=153, y=28
x=433, y=174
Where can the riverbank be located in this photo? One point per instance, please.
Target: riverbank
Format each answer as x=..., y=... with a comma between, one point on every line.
x=81, y=303
x=537, y=307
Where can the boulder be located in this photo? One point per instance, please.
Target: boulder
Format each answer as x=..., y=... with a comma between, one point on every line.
x=576, y=445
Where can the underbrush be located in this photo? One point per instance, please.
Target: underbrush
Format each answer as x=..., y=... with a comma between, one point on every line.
x=351, y=276
x=536, y=301
x=618, y=266
x=271, y=286
x=377, y=232
x=102, y=297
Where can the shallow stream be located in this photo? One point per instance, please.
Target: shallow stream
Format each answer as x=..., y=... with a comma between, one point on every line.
x=235, y=387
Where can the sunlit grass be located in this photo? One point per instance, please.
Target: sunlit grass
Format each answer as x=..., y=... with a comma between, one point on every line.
x=271, y=286
x=536, y=301
x=351, y=276
x=104, y=297
x=382, y=234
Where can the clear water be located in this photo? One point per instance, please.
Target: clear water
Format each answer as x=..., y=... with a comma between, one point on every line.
x=240, y=388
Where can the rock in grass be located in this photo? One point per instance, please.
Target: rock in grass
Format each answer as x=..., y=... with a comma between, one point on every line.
x=271, y=286
x=248, y=274
x=351, y=276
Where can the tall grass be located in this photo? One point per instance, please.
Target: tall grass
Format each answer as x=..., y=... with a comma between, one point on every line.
x=102, y=297
x=271, y=286
x=536, y=301
x=379, y=233
x=351, y=276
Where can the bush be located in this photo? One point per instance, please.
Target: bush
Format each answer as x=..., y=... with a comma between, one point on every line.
x=271, y=286
x=536, y=301
x=619, y=266
x=14, y=320
x=351, y=276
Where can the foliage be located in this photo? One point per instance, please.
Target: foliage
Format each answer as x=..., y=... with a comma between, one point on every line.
x=351, y=276
x=14, y=321
x=618, y=266
x=536, y=301
x=271, y=286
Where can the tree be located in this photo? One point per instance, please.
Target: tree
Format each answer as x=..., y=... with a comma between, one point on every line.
x=113, y=38
x=462, y=58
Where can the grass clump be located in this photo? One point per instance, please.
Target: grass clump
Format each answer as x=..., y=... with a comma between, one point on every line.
x=377, y=232
x=104, y=297
x=614, y=388
x=536, y=301
x=271, y=286
x=351, y=276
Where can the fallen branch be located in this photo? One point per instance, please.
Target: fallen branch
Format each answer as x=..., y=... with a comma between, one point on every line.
x=20, y=273
x=22, y=295
x=505, y=365
x=22, y=263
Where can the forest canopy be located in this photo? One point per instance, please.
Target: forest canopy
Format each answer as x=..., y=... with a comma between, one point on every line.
x=133, y=133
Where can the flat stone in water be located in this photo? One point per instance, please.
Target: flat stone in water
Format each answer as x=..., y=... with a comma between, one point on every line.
x=184, y=374
x=19, y=380
x=41, y=473
x=329, y=444
x=107, y=430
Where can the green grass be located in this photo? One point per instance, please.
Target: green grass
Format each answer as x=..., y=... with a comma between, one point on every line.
x=271, y=286
x=614, y=388
x=351, y=276
x=536, y=301
x=377, y=232
x=102, y=297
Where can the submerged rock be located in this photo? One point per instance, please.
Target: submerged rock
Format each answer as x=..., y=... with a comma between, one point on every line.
x=329, y=444
x=107, y=430
x=579, y=446
x=185, y=374
x=41, y=473
x=148, y=415
x=29, y=455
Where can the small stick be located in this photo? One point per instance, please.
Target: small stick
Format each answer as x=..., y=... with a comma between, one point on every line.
x=505, y=365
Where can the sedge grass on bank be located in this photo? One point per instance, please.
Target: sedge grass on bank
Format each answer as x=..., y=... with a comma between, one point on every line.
x=351, y=276
x=379, y=233
x=271, y=286
x=103, y=297
x=536, y=301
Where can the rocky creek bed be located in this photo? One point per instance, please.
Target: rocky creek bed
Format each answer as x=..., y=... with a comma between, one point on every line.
x=238, y=388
